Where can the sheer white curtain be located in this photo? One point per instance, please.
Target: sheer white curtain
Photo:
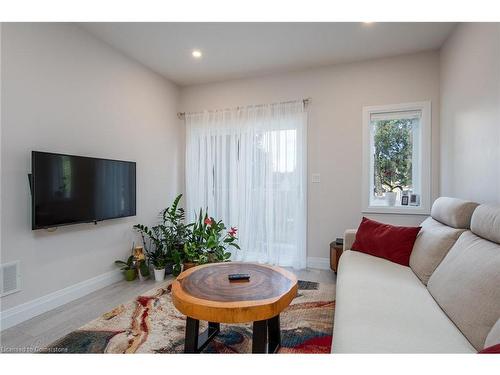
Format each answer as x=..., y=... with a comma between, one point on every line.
x=248, y=166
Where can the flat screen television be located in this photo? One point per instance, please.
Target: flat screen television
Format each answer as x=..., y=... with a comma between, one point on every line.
x=68, y=189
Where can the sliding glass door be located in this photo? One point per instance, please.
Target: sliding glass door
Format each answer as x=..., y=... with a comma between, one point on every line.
x=248, y=166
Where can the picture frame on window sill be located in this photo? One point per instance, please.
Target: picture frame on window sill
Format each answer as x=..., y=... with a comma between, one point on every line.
x=404, y=200
x=414, y=200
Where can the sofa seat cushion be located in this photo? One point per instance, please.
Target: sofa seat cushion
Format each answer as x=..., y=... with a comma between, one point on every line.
x=382, y=307
x=431, y=246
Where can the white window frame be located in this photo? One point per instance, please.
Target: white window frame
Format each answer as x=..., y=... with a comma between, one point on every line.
x=425, y=158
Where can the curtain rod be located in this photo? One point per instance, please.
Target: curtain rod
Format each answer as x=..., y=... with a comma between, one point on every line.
x=306, y=102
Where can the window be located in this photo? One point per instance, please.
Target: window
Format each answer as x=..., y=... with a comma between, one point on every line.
x=396, y=158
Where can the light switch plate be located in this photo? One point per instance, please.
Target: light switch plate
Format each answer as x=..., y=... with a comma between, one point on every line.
x=315, y=178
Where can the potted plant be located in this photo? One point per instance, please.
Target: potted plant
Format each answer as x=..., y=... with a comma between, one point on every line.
x=208, y=242
x=182, y=246
x=159, y=267
x=167, y=238
x=192, y=256
x=128, y=268
x=176, y=233
x=152, y=241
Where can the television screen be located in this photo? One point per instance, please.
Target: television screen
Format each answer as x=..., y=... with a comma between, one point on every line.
x=70, y=189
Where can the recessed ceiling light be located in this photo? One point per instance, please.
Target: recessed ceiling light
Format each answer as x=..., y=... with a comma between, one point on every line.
x=196, y=53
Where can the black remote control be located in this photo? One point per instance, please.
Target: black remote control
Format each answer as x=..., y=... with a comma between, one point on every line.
x=238, y=276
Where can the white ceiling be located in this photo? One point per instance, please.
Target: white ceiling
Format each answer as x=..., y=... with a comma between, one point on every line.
x=237, y=50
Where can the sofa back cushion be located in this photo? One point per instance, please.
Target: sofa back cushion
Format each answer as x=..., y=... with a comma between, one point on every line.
x=466, y=284
x=485, y=222
x=431, y=246
x=453, y=212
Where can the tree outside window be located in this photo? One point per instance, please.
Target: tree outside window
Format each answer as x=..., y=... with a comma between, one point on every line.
x=393, y=149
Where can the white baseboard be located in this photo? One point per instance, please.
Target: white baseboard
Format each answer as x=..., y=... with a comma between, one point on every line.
x=28, y=310
x=319, y=263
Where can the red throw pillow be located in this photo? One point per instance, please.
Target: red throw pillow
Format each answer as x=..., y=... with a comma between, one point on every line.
x=385, y=241
x=494, y=349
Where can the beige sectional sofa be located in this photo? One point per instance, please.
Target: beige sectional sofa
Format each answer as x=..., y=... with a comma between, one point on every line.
x=447, y=301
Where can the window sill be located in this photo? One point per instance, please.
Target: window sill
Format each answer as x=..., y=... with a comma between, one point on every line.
x=408, y=210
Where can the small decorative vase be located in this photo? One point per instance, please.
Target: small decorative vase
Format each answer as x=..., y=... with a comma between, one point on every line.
x=130, y=275
x=390, y=198
x=159, y=274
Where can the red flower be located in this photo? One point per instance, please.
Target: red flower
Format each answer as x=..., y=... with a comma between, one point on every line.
x=208, y=221
x=232, y=231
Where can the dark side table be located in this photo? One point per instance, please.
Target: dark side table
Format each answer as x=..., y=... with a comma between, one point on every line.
x=336, y=248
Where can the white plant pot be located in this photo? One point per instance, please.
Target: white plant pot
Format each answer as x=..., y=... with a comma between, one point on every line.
x=390, y=198
x=159, y=274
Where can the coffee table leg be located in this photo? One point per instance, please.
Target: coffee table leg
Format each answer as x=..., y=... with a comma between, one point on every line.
x=206, y=336
x=273, y=326
x=191, y=339
x=195, y=342
x=213, y=327
x=259, y=338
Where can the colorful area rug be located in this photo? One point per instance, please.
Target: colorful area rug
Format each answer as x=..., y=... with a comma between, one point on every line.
x=151, y=324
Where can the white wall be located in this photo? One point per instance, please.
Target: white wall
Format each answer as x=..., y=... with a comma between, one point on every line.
x=1, y=26
x=64, y=91
x=470, y=113
x=335, y=131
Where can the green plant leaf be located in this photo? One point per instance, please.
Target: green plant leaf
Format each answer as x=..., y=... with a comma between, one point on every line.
x=176, y=270
x=143, y=267
x=130, y=260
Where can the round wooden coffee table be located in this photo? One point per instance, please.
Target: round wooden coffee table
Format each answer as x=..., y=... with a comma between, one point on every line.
x=205, y=293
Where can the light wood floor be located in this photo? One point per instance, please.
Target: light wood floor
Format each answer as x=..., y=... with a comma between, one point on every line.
x=48, y=327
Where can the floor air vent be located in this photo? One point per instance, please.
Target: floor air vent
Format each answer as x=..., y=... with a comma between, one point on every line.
x=10, y=278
